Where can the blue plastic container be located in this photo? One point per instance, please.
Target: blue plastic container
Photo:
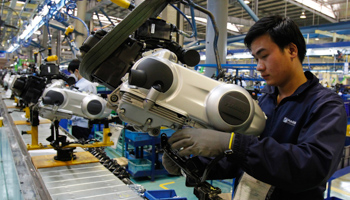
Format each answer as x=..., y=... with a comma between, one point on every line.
x=142, y=136
x=136, y=136
x=162, y=195
x=135, y=165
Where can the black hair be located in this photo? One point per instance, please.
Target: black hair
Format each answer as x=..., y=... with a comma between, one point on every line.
x=282, y=31
x=73, y=65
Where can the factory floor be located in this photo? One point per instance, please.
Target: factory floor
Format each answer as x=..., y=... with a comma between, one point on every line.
x=340, y=186
x=177, y=183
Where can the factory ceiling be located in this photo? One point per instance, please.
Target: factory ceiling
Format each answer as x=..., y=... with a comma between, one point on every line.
x=320, y=13
x=290, y=8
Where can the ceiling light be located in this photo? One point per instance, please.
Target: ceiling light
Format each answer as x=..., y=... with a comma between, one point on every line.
x=317, y=38
x=246, y=2
x=302, y=16
x=319, y=6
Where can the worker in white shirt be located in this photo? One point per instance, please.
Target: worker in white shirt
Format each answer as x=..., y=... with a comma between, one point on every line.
x=80, y=125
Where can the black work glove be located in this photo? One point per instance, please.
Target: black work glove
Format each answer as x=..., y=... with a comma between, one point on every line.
x=201, y=142
x=170, y=166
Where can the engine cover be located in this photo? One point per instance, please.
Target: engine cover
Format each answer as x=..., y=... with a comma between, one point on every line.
x=168, y=94
x=72, y=102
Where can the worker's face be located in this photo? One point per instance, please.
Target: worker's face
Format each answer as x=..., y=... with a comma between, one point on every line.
x=73, y=74
x=273, y=64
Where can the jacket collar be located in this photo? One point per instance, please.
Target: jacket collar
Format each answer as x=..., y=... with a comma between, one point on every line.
x=311, y=80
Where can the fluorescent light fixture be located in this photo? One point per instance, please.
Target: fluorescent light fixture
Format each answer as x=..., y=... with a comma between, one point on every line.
x=323, y=51
x=230, y=26
x=37, y=22
x=105, y=20
x=325, y=9
x=12, y=48
x=243, y=55
x=235, y=56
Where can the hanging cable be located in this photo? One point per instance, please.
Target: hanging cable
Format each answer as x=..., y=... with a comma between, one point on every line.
x=70, y=6
x=27, y=43
x=194, y=26
x=109, y=19
x=48, y=32
x=60, y=17
x=98, y=18
x=182, y=32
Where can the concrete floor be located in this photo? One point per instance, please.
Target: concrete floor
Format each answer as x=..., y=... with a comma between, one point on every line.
x=341, y=187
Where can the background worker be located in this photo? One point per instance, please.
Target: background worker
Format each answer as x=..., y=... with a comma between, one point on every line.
x=302, y=143
x=80, y=125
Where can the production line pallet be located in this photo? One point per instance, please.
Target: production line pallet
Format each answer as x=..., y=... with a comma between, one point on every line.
x=84, y=177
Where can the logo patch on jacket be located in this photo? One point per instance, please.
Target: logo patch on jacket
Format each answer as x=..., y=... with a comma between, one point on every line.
x=289, y=121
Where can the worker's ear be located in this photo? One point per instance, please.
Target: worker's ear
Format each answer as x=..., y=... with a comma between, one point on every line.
x=292, y=50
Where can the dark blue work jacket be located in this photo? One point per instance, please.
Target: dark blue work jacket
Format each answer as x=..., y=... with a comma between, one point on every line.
x=300, y=147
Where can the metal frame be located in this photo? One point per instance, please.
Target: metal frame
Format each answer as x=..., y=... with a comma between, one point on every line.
x=31, y=181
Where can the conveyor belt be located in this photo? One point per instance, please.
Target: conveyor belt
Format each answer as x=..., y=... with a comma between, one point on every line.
x=78, y=181
x=86, y=181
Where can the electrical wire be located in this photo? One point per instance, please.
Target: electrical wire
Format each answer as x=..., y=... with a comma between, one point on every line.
x=14, y=111
x=70, y=6
x=48, y=32
x=109, y=19
x=194, y=22
x=52, y=9
x=60, y=17
x=183, y=14
x=27, y=44
x=98, y=18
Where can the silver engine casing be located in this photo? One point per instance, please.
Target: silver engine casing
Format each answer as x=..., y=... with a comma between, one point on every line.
x=9, y=81
x=6, y=79
x=72, y=102
x=12, y=81
x=192, y=99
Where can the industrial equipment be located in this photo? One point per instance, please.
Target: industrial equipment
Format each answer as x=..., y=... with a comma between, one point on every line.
x=153, y=90
x=57, y=99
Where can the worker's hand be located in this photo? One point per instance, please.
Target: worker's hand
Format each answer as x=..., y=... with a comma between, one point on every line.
x=200, y=142
x=170, y=166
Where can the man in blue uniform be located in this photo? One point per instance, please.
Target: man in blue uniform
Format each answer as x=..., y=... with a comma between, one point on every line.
x=80, y=125
x=301, y=145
